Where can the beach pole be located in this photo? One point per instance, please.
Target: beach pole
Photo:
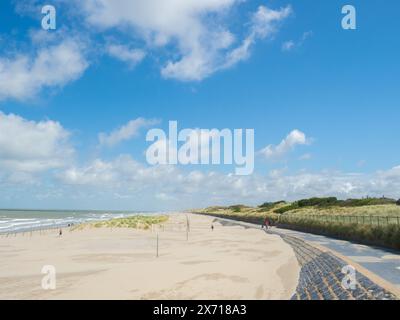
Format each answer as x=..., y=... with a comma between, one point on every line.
x=187, y=223
x=157, y=244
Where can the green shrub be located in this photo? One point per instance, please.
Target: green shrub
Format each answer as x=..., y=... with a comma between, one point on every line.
x=334, y=202
x=287, y=208
x=312, y=202
x=271, y=204
x=267, y=206
x=398, y=202
x=320, y=202
x=237, y=208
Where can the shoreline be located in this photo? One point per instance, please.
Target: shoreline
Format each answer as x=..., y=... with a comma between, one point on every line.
x=45, y=223
x=13, y=233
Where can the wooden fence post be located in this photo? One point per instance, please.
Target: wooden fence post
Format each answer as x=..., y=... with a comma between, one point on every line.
x=157, y=244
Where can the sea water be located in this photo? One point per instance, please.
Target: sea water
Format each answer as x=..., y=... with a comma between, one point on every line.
x=12, y=221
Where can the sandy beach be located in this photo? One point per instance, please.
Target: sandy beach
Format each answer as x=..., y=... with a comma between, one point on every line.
x=230, y=263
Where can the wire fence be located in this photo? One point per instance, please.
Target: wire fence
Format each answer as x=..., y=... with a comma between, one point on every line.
x=349, y=219
x=41, y=229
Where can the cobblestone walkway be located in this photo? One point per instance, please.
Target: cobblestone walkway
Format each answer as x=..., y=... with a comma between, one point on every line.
x=321, y=277
x=321, y=272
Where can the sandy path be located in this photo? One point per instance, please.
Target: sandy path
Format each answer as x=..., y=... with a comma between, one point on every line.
x=229, y=263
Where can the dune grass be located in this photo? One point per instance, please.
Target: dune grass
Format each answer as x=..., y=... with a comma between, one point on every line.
x=372, y=210
x=354, y=220
x=134, y=222
x=385, y=235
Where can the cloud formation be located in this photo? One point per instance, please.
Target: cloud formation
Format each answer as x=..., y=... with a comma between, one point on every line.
x=291, y=44
x=23, y=76
x=42, y=149
x=31, y=147
x=197, y=30
x=264, y=24
x=130, y=56
x=125, y=132
x=293, y=139
x=198, y=188
x=190, y=39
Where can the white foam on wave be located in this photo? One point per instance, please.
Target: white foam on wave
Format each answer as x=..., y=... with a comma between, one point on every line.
x=8, y=224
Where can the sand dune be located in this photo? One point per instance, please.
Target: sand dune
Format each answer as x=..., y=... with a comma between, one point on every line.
x=227, y=263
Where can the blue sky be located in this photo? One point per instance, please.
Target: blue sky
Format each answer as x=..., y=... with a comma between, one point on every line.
x=340, y=88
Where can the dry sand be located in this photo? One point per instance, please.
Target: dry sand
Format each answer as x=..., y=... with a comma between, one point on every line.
x=229, y=263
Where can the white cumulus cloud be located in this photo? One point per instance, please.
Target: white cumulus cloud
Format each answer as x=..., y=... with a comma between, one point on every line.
x=198, y=31
x=293, y=139
x=188, y=189
x=23, y=76
x=30, y=147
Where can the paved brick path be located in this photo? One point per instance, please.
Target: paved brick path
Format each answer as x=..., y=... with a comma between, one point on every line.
x=321, y=277
x=321, y=272
x=384, y=263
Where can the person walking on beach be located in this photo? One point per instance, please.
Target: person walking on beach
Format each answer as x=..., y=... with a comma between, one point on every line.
x=267, y=223
x=212, y=227
x=60, y=233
